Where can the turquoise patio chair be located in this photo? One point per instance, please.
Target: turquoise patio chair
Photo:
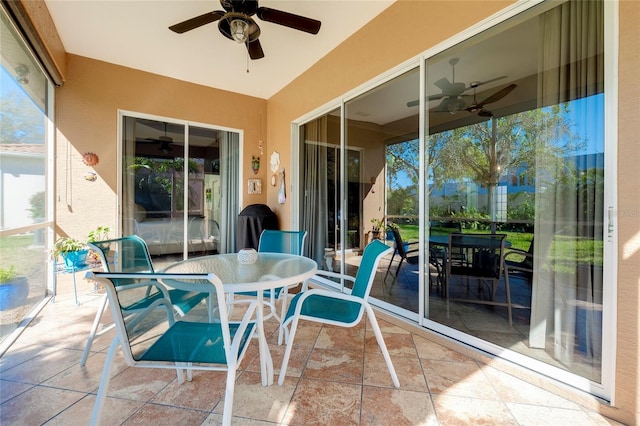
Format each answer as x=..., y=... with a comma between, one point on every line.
x=130, y=254
x=159, y=341
x=275, y=241
x=341, y=309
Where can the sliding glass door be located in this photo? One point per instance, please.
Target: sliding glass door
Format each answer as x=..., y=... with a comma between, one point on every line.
x=513, y=149
x=180, y=186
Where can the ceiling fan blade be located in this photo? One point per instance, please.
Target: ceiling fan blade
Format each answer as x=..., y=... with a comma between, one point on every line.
x=497, y=95
x=196, y=22
x=289, y=20
x=480, y=83
x=443, y=84
x=255, y=49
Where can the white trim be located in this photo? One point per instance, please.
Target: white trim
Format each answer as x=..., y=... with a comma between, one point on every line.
x=610, y=264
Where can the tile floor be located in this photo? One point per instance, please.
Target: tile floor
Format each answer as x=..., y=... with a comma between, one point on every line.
x=335, y=377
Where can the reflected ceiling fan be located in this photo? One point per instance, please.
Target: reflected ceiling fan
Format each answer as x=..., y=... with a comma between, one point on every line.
x=164, y=141
x=235, y=23
x=495, y=97
x=452, y=92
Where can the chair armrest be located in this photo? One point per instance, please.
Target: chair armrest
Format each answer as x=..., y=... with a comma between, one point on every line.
x=335, y=275
x=327, y=293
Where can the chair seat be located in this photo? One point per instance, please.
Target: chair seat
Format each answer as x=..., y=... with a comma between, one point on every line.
x=195, y=342
x=328, y=308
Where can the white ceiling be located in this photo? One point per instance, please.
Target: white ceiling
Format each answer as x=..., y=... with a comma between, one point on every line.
x=135, y=34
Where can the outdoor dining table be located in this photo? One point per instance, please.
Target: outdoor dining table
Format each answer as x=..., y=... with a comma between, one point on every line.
x=269, y=271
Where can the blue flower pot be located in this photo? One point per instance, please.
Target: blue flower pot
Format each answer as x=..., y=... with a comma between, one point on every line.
x=13, y=293
x=74, y=260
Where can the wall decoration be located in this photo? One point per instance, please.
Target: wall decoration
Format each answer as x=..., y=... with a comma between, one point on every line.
x=273, y=180
x=255, y=164
x=254, y=186
x=90, y=159
x=275, y=161
x=91, y=176
x=282, y=196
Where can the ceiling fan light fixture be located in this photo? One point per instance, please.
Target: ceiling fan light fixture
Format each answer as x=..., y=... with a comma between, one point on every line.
x=239, y=30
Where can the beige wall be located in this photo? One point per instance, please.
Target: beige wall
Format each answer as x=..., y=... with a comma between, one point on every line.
x=87, y=121
x=375, y=49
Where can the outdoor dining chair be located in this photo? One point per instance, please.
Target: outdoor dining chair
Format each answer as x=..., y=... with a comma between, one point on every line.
x=341, y=309
x=159, y=341
x=276, y=241
x=130, y=254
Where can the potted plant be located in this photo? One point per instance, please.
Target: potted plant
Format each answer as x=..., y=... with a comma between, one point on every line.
x=101, y=233
x=72, y=251
x=377, y=228
x=14, y=289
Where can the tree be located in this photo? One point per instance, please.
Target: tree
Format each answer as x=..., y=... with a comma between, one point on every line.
x=21, y=121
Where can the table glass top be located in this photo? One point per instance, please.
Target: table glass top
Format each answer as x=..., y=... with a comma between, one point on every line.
x=269, y=266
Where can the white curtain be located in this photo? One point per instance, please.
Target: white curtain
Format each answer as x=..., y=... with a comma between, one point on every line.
x=568, y=191
x=230, y=185
x=315, y=202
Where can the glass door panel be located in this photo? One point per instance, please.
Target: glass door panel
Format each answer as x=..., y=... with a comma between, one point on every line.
x=382, y=189
x=519, y=151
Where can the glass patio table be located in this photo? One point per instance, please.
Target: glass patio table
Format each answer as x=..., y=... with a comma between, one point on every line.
x=271, y=270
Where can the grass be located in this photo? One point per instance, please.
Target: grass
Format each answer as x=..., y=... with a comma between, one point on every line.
x=17, y=250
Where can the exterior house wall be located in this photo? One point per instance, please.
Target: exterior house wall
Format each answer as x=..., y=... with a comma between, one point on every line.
x=86, y=120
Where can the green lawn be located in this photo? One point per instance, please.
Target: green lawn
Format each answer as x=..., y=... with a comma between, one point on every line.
x=565, y=250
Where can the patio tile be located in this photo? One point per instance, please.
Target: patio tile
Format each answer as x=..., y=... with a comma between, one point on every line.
x=409, y=371
x=318, y=402
x=37, y=405
x=429, y=350
x=401, y=407
x=341, y=338
x=397, y=344
x=165, y=415
x=264, y=403
x=115, y=411
x=458, y=410
x=202, y=393
x=458, y=379
x=534, y=415
x=336, y=365
x=10, y=389
x=47, y=364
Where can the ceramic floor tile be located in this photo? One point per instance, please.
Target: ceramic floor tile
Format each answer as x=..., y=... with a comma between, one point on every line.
x=512, y=389
x=37, y=405
x=252, y=400
x=397, y=344
x=532, y=415
x=9, y=389
x=430, y=350
x=159, y=415
x=463, y=411
x=408, y=370
x=341, y=338
x=400, y=407
x=458, y=379
x=114, y=412
x=297, y=360
x=336, y=365
x=44, y=366
x=202, y=393
x=322, y=403
x=87, y=378
x=140, y=384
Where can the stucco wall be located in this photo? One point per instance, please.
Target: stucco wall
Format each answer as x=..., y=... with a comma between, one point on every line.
x=87, y=121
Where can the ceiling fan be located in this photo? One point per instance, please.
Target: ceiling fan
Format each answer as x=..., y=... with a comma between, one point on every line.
x=235, y=23
x=452, y=92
